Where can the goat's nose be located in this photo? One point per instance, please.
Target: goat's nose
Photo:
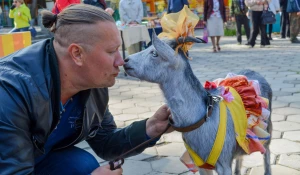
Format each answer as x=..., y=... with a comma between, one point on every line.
x=126, y=60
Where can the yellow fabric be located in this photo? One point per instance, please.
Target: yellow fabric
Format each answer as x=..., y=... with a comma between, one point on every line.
x=239, y=118
x=12, y=42
x=218, y=144
x=220, y=138
x=21, y=16
x=179, y=24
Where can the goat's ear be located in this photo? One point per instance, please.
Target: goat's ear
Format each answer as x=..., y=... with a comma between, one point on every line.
x=162, y=48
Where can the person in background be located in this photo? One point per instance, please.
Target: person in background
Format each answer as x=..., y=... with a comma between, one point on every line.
x=21, y=15
x=131, y=13
x=59, y=5
x=239, y=15
x=109, y=11
x=293, y=8
x=256, y=7
x=97, y=3
x=284, y=20
x=1, y=26
x=114, y=4
x=54, y=94
x=175, y=6
x=275, y=8
x=214, y=19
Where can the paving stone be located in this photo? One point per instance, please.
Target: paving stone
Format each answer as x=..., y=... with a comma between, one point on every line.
x=149, y=103
x=294, y=118
x=113, y=101
x=136, y=110
x=132, y=167
x=171, y=149
x=120, y=97
x=293, y=89
x=141, y=89
x=134, y=100
x=281, y=93
x=279, y=104
x=130, y=93
x=167, y=165
x=277, y=117
x=295, y=105
x=120, y=124
x=147, y=153
x=286, y=111
x=256, y=159
x=277, y=146
x=122, y=105
x=280, y=85
x=126, y=117
x=290, y=160
x=292, y=135
x=121, y=89
x=173, y=137
x=276, y=134
x=115, y=111
x=156, y=98
x=276, y=170
x=143, y=95
x=83, y=145
x=293, y=98
x=286, y=126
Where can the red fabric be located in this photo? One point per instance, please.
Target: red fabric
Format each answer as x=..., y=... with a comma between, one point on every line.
x=210, y=85
x=252, y=102
x=61, y=4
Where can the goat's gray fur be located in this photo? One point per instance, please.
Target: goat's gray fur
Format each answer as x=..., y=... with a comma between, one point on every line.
x=186, y=98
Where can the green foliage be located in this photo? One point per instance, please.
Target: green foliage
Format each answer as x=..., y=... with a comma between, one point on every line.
x=232, y=32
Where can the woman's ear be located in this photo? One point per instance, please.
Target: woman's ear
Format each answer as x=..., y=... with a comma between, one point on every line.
x=76, y=53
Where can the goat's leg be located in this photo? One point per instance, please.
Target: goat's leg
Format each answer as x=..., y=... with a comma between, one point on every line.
x=238, y=165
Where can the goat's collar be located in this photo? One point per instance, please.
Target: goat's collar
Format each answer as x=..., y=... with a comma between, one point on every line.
x=209, y=108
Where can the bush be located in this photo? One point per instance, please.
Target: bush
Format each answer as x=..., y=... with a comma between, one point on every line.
x=232, y=32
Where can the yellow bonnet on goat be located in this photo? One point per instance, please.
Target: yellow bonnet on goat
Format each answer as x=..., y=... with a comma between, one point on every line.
x=179, y=24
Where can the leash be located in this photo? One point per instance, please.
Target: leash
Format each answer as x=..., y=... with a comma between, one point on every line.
x=119, y=161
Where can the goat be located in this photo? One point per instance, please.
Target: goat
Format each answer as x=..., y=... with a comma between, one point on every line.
x=187, y=98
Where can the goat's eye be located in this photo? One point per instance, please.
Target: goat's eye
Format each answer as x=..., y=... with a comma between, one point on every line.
x=154, y=54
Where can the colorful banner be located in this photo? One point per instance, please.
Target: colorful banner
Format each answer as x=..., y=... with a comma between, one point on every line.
x=12, y=42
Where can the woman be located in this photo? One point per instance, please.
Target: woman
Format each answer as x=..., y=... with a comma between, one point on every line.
x=61, y=4
x=214, y=17
x=21, y=15
x=274, y=6
x=256, y=6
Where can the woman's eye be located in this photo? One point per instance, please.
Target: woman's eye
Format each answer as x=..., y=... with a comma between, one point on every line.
x=154, y=54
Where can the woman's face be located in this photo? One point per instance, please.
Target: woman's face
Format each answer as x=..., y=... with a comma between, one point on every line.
x=16, y=3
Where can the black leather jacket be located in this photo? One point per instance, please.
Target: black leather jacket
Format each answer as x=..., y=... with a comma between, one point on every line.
x=29, y=112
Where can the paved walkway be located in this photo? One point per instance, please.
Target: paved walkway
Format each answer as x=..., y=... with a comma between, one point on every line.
x=131, y=100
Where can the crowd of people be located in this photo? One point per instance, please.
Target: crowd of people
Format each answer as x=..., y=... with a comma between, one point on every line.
x=246, y=12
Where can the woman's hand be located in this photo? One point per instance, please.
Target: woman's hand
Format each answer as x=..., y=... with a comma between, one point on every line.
x=204, y=22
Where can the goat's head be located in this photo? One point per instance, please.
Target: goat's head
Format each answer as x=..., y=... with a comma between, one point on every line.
x=159, y=60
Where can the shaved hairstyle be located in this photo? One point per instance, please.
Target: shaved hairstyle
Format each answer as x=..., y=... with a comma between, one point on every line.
x=76, y=24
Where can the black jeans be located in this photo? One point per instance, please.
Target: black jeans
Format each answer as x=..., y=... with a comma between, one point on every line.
x=257, y=27
x=284, y=24
x=242, y=20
